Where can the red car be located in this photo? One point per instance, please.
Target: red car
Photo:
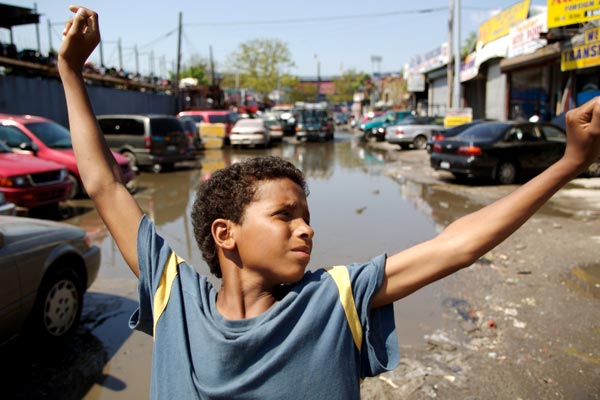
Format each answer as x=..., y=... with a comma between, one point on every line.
x=213, y=116
x=30, y=182
x=47, y=140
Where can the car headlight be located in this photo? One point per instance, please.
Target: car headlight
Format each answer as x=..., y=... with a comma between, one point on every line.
x=381, y=130
x=14, y=181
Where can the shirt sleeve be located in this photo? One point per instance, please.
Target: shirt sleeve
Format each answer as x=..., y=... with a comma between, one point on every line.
x=380, y=350
x=153, y=252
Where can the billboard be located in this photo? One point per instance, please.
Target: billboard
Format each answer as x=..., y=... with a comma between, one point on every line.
x=561, y=13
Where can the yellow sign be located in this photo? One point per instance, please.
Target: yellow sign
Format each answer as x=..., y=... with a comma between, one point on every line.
x=582, y=56
x=457, y=116
x=592, y=35
x=563, y=12
x=499, y=25
x=213, y=135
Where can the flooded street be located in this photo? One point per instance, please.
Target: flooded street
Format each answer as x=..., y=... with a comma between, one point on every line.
x=358, y=210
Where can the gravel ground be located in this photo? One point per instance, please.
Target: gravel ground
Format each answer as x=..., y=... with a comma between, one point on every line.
x=525, y=318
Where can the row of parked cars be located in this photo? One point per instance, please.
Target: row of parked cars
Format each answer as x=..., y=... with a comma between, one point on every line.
x=504, y=151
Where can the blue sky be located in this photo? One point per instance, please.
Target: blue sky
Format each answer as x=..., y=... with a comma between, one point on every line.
x=341, y=35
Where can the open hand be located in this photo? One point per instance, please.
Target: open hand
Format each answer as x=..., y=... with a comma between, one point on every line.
x=81, y=35
x=583, y=134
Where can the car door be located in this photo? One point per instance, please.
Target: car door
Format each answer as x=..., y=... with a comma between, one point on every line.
x=527, y=147
x=555, y=141
x=10, y=293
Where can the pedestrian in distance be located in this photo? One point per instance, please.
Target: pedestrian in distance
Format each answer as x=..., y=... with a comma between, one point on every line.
x=273, y=330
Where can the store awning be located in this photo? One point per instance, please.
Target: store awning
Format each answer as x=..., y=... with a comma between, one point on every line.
x=12, y=16
x=543, y=55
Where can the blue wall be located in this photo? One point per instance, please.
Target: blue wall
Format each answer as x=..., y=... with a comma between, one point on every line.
x=45, y=97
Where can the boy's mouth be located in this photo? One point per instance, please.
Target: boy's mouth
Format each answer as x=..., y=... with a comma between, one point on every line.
x=303, y=250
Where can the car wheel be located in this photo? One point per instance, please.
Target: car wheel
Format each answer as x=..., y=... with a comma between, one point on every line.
x=156, y=168
x=76, y=188
x=57, y=306
x=593, y=171
x=506, y=173
x=131, y=157
x=420, y=142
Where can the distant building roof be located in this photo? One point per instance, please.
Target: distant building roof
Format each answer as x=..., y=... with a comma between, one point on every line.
x=12, y=16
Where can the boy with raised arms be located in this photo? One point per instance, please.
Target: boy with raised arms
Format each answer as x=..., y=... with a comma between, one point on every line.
x=273, y=330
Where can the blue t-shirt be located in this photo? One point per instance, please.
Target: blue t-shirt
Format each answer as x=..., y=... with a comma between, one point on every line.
x=302, y=347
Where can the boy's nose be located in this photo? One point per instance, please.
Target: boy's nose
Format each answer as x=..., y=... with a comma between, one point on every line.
x=305, y=230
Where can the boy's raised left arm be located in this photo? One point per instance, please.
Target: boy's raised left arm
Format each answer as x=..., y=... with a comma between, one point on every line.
x=100, y=173
x=467, y=239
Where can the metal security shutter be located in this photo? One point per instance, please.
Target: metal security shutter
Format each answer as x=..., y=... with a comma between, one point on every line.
x=495, y=92
x=438, y=96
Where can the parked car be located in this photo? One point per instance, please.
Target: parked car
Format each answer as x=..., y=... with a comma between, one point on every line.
x=192, y=132
x=152, y=140
x=285, y=113
x=442, y=134
x=341, y=118
x=593, y=170
x=250, y=132
x=47, y=140
x=45, y=267
x=228, y=118
x=413, y=131
x=274, y=125
x=375, y=128
x=313, y=122
x=504, y=151
x=30, y=182
x=6, y=208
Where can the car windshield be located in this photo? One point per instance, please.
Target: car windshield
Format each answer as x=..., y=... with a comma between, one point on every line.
x=51, y=134
x=248, y=123
x=311, y=116
x=484, y=132
x=165, y=126
x=219, y=118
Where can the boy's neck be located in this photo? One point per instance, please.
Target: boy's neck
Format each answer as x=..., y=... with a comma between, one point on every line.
x=241, y=299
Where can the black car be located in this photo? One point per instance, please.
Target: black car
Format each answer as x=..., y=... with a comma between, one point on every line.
x=451, y=132
x=593, y=170
x=503, y=151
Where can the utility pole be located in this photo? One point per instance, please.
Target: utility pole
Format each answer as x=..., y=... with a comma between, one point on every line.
x=137, y=59
x=450, y=65
x=37, y=29
x=101, y=47
x=120, y=55
x=212, y=66
x=457, y=60
x=178, y=70
x=49, y=35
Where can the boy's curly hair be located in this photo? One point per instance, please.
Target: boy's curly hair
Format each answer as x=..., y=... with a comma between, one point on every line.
x=227, y=194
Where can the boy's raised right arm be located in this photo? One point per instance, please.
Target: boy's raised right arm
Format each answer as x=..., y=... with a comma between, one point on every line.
x=100, y=173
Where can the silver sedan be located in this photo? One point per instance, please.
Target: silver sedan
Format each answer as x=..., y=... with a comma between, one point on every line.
x=45, y=268
x=413, y=131
x=250, y=132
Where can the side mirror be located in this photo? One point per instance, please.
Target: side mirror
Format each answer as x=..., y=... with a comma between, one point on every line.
x=29, y=147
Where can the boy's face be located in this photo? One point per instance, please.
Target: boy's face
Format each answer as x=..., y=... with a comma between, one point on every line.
x=274, y=238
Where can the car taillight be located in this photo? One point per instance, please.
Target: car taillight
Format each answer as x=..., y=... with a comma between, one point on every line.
x=399, y=132
x=147, y=142
x=437, y=148
x=190, y=138
x=469, y=151
x=438, y=137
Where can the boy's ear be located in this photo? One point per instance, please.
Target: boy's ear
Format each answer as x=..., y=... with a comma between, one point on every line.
x=223, y=234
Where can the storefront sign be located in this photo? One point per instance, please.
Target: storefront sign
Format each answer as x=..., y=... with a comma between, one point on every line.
x=469, y=69
x=416, y=83
x=500, y=24
x=592, y=35
x=458, y=116
x=567, y=12
x=525, y=37
x=429, y=61
x=582, y=56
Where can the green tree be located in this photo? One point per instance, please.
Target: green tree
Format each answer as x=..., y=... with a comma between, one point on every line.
x=260, y=64
x=197, y=67
x=303, y=92
x=348, y=84
x=468, y=45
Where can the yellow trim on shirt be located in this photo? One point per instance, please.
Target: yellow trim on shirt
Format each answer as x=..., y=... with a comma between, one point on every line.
x=341, y=277
x=161, y=296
